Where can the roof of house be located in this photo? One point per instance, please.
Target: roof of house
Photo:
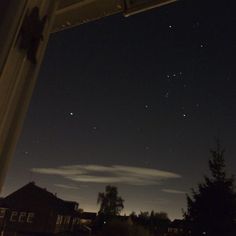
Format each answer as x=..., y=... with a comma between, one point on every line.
x=32, y=195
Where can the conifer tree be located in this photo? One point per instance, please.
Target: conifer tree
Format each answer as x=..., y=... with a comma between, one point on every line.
x=212, y=207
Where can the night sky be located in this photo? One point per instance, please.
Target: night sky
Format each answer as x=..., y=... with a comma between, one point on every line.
x=134, y=102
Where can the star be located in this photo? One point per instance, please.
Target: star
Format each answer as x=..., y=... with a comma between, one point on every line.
x=196, y=25
x=167, y=95
x=139, y=129
x=71, y=113
x=184, y=115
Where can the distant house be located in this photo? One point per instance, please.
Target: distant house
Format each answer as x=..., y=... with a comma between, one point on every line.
x=32, y=210
x=178, y=228
x=87, y=218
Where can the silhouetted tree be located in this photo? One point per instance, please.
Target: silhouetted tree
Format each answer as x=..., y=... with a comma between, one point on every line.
x=144, y=218
x=110, y=203
x=119, y=228
x=159, y=222
x=212, y=208
x=155, y=222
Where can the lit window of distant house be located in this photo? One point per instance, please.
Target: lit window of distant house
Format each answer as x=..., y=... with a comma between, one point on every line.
x=14, y=217
x=59, y=219
x=30, y=217
x=22, y=217
x=2, y=212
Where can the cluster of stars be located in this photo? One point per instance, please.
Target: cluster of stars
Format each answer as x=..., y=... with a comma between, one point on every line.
x=147, y=107
x=174, y=75
x=170, y=77
x=93, y=128
x=177, y=76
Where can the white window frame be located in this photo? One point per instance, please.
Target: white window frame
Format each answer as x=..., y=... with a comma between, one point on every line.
x=67, y=220
x=59, y=220
x=74, y=221
x=2, y=212
x=30, y=217
x=14, y=214
x=22, y=217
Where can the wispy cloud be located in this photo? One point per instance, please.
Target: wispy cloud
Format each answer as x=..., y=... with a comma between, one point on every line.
x=109, y=174
x=66, y=186
x=173, y=191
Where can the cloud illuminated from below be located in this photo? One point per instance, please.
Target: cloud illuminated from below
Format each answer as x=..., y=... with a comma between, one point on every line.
x=173, y=191
x=66, y=186
x=109, y=174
